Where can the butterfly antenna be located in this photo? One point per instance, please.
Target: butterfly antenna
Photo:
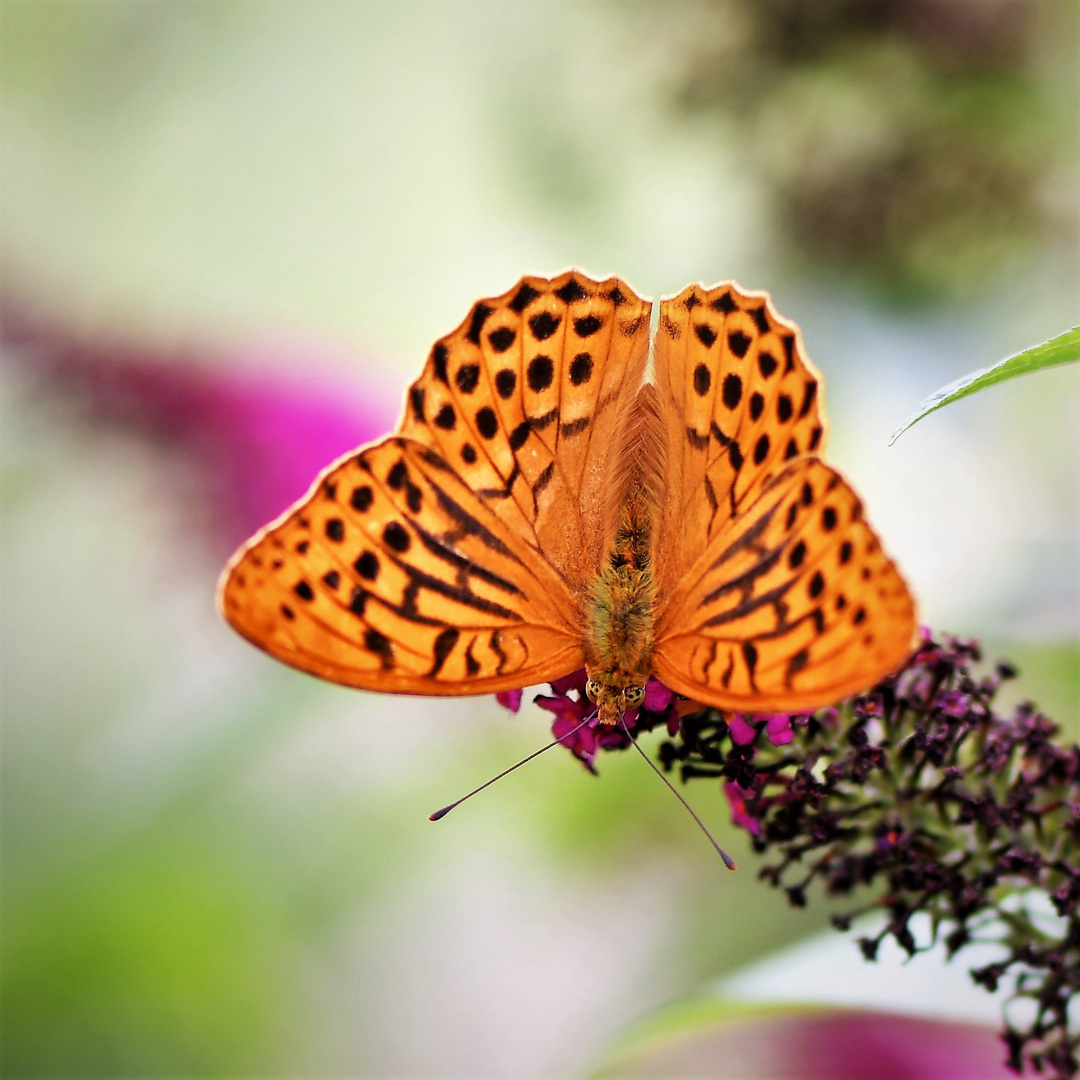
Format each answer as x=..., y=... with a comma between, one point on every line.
x=536, y=753
x=729, y=862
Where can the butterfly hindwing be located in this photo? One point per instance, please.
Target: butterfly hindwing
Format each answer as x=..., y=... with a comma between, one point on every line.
x=793, y=603
x=393, y=575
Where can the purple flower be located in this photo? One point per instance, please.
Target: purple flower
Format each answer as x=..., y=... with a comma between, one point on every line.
x=736, y=796
x=571, y=706
x=509, y=699
x=743, y=727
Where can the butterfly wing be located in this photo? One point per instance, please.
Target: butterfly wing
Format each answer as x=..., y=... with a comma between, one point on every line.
x=738, y=399
x=793, y=605
x=527, y=400
x=449, y=559
x=774, y=591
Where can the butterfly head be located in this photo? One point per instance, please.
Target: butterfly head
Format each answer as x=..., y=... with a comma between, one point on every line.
x=613, y=701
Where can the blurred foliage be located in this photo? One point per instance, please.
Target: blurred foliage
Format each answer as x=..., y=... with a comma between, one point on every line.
x=917, y=146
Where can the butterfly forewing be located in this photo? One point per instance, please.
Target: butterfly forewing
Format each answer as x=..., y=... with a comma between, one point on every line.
x=451, y=559
x=738, y=398
x=793, y=603
x=526, y=399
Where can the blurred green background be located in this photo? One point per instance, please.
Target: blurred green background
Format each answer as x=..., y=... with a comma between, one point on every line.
x=215, y=866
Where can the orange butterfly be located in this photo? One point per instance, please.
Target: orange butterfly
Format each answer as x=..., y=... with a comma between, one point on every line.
x=543, y=507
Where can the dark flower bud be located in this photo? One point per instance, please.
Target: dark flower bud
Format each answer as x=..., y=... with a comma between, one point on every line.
x=869, y=947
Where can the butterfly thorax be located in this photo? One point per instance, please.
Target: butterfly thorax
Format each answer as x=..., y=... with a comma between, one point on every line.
x=619, y=633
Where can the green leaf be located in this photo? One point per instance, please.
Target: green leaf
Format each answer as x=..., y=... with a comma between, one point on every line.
x=1060, y=350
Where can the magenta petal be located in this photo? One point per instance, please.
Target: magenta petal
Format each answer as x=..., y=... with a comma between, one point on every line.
x=562, y=706
x=742, y=733
x=778, y=728
x=658, y=697
x=509, y=699
x=736, y=796
x=574, y=681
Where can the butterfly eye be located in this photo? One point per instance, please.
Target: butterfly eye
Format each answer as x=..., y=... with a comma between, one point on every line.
x=634, y=695
x=592, y=690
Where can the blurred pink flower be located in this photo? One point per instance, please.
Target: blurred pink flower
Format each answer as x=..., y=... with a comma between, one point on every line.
x=254, y=426
x=736, y=796
x=819, y=1043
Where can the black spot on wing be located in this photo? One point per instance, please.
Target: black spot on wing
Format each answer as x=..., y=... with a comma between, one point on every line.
x=543, y=480
x=487, y=423
x=396, y=537
x=581, y=369
x=761, y=320
x=416, y=403
x=543, y=324
x=358, y=600
x=738, y=343
x=571, y=291
x=523, y=298
x=505, y=382
x=750, y=655
x=444, y=646
x=757, y=405
x=380, y=645
x=335, y=529
x=446, y=418
x=541, y=371
x=361, y=498
x=732, y=392
x=480, y=315
x=520, y=435
x=398, y=475
x=439, y=356
x=809, y=393
x=789, y=352
x=467, y=377
x=696, y=440
x=724, y=303
x=502, y=339
x=702, y=379
x=587, y=325
x=705, y=334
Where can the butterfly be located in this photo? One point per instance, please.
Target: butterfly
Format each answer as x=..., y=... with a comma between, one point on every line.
x=544, y=506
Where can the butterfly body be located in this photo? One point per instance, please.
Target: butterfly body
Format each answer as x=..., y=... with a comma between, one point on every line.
x=619, y=635
x=544, y=507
